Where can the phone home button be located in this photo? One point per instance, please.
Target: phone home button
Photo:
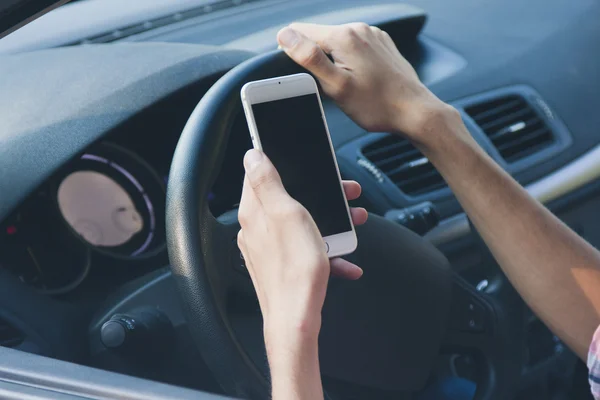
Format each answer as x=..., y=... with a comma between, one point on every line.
x=326, y=247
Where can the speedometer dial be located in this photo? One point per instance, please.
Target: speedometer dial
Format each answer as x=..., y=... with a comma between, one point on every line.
x=109, y=199
x=99, y=209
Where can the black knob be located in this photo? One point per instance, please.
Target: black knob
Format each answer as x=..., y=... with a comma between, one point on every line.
x=142, y=329
x=114, y=332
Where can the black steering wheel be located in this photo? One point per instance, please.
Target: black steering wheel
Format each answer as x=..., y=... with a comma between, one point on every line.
x=380, y=335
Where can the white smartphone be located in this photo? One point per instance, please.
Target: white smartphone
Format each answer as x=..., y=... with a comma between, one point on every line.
x=287, y=123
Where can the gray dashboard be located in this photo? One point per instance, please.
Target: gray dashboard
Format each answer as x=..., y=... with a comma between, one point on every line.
x=58, y=102
x=547, y=45
x=464, y=50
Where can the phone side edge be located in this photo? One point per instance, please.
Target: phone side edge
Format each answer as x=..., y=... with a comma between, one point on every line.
x=250, y=121
x=348, y=237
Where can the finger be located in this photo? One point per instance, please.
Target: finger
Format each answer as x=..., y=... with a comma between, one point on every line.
x=359, y=215
x=320, y=34
x=308, y=54
x=264, y=180
x=352, y=189
x=345, y=269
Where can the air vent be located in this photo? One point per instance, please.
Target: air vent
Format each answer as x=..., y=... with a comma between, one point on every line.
x=514, y=127
x=9, y=335
x=404, y=165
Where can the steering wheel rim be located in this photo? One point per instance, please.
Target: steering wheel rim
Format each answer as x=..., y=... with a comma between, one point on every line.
x=199, y=245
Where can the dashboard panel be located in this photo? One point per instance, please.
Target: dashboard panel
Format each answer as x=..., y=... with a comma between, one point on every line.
x=121, y=132
x=95, y=224
x=99, y=220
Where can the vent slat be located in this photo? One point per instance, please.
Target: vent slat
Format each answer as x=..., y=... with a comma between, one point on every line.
x=496, y=110
x=407, y=179
x=521, y=154
x=414, y=166
x=420, y=190
x=519, y=138
x=507, y=120
x=391, y=151
x=389, y=164
x=475, y=109
x=513, y=126
x=514, y=153
x=385, y=143
x=528, y=124
x=404, y=165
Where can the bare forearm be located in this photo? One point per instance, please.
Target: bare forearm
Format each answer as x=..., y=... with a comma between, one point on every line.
x=556, y=272
x=294, y=365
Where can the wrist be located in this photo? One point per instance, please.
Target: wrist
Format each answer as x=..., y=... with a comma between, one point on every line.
x=280, y=344
x=421, y=115
x=433, y=126
x=285, y=333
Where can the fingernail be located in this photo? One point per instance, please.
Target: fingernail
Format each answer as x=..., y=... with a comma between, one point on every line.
x=288, y=37
x=252, y=159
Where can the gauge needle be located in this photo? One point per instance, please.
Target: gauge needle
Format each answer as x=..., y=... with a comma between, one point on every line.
x=35, y=262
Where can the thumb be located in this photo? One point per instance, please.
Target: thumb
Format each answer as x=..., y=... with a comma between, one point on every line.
x=264, y=179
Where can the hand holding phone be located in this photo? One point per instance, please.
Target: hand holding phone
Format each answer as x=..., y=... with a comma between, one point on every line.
x=283, y=248
x=281, y=242
x=287, y=123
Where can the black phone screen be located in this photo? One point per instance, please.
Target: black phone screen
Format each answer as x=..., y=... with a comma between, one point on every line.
x=293, y=136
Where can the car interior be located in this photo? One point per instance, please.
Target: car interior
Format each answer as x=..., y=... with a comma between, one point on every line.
x=121, y=143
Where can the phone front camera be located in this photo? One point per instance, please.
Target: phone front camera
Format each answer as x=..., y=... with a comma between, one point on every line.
x=279, y=83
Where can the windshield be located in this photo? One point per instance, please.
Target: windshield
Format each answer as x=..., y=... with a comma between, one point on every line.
x=94, y=21
x=16, y=13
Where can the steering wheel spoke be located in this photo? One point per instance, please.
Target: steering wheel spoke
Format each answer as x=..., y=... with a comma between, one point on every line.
x=472, y=320
x=481, y=327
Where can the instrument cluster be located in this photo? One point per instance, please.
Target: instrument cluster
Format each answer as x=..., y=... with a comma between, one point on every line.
x=103, y=213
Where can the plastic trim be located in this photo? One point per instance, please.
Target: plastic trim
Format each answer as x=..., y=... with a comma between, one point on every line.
x=563, y=181
x=29, y=376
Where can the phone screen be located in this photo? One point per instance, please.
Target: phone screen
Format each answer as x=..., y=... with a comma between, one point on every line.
x=293, y=136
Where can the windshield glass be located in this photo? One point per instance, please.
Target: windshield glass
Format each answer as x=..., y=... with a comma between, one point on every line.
x=16, y=13
x=95, y=21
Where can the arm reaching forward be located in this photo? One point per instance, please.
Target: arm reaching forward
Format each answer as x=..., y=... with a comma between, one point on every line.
x=556, y=272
